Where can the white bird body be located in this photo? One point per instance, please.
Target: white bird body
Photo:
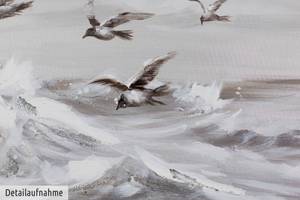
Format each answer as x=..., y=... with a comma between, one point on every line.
x=135, y=97
x=104, y=33
x=209, y=17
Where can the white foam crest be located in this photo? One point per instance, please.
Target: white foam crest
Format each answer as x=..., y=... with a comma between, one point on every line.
x=129, y=189
x=51, y=109
x=164, y=169
x=17, y=78
x=83, y=171
x=199, y=98
x=7, y=116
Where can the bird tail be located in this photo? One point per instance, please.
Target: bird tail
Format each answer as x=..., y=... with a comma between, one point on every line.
x=22, y=6
x=161, y=90
x=137, y=15
x=124, y=34
x=16, y=9
x=224, y=18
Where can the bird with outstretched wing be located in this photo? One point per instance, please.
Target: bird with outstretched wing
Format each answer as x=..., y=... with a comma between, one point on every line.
x=210, y=13
x=136, y=92
x=105, y=30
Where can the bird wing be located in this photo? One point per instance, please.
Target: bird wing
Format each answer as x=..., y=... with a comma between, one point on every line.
x=110, y=82
x=93, y=21
x=5, y=2
x=10, y=10
x=125, y=17
x=201, y=4
x=215, y=6
x=150, y=71
x=90, y=7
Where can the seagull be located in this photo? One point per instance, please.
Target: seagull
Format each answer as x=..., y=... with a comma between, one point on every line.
x=105, y=31
x=10, y=9
x=136, y=93
x=210, y=13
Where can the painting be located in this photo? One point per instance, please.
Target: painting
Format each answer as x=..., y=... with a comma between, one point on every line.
x=151, y=99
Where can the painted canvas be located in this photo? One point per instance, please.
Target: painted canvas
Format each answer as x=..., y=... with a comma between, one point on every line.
x=152, y=99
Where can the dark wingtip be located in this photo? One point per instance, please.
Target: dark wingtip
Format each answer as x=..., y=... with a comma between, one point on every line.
x=172, y=54
x=149, y=15
x=25, y=5
x=22, y=6
x=91, y=83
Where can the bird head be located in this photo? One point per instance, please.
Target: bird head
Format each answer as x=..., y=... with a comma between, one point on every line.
x=202, y=19
x=89, y=32
x=122, y=102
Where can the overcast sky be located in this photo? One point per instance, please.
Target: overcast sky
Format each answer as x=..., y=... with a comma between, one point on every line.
x=262, y=40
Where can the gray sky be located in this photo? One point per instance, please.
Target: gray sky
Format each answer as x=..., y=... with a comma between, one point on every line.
x=262, y=40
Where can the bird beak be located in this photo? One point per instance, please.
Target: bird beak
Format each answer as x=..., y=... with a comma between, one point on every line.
x=118, y=106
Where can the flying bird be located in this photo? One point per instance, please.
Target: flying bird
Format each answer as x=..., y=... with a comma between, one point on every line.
x=105, y=30
x=136, y=93
x=10, y=9
x=210, y=13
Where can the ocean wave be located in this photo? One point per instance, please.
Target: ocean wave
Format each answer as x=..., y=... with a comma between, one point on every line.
x=197, y=97
x=65, y=132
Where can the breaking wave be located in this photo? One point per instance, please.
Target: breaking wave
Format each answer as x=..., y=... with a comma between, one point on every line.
x=55, y=133
x=201, y=98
